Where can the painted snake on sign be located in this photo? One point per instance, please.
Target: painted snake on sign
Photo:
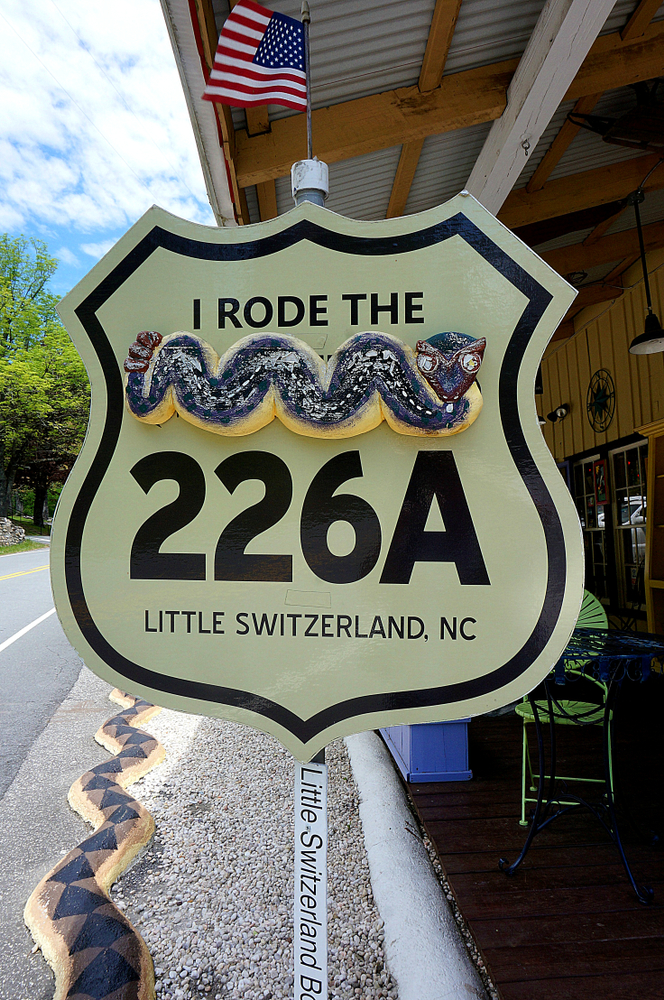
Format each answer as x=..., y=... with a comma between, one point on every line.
x=372, y=377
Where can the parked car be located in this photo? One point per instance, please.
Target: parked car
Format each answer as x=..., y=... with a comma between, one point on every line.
x=632, y=511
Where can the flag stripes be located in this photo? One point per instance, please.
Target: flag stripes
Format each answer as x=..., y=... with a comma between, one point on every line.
x=259, y=60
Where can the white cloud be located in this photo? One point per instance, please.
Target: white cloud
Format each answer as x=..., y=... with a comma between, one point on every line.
x=97, y=250
x=64, y=254
x=93, y=124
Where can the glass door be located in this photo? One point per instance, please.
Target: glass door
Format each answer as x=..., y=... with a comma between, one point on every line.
x=593, y=527
x=628, y=467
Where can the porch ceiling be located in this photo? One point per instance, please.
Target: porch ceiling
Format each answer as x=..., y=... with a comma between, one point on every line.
x=416, y=99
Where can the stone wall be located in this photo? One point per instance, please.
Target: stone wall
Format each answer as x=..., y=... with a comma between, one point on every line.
x=9, y=533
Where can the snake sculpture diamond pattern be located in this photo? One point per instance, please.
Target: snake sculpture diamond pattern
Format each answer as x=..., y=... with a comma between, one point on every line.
x=370, y=378
x=93, y=949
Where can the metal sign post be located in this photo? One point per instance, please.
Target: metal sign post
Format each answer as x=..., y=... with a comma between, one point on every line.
x=310, y=908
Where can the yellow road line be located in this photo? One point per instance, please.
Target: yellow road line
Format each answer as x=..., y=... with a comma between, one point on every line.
x=24, y=572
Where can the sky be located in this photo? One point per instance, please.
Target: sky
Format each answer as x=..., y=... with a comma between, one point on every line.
x=94, y=128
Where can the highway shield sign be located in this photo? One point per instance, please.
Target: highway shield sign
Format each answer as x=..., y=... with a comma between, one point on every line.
x=314, y=497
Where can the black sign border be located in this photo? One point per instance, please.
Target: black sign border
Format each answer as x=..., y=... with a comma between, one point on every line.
x=306, y=729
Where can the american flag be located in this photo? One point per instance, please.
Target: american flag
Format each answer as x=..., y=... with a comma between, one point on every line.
x=259, y=60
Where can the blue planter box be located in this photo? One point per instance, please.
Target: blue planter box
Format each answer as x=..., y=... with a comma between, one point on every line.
x=431, y=751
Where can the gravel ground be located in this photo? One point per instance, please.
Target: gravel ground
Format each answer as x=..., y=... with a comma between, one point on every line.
x=213, y=894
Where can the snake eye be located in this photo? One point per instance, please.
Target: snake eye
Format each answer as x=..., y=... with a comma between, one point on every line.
x=426, y=363
x=469, y=362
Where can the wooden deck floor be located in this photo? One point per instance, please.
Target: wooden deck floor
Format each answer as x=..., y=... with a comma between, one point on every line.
x=567, y=925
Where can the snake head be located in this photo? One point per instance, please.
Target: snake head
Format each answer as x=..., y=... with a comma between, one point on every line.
x=141, y=351
x=450, y=373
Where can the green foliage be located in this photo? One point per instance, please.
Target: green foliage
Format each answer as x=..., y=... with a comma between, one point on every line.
x=44, y=390
x=27, y=546
x=44, y=396
x=25, y=304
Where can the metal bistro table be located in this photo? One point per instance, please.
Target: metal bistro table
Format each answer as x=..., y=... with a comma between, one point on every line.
x=611, y=658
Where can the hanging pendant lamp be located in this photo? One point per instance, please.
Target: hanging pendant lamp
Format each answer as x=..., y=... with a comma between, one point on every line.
x=652, y=339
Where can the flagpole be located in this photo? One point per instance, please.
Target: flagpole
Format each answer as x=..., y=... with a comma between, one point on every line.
x=310, y=178
x=306, y=21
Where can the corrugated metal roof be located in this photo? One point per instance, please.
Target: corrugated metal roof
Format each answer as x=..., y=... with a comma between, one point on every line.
x=587, y=150
x=490, y=31
x=444, y=166
x=357, y=49
x=252, y=203
x=596, y=273
x=547, y=137
x=365, y=48
x=652, y=210
x=563, y=241
x=350, y=182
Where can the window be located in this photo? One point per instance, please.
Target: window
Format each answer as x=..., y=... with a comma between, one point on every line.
x=593, y=527
x=628, y=490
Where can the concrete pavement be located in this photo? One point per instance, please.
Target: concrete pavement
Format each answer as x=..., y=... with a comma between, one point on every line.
x=39, y=668
x=46, y=731
x=48, y=745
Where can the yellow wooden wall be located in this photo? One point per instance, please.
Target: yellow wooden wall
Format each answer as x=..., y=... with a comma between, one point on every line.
x=602, y=337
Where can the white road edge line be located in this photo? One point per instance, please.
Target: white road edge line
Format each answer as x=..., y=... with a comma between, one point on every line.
x=17, y=635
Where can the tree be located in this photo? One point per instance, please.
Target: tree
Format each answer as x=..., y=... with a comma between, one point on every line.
x=26, y=306
x=44, y=390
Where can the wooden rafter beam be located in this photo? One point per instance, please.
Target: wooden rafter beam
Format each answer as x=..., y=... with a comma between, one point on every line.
x=581, y=191
x=267, y=200
x=635, y=27
x=560, y=145
x=443, y=23
x=603, y=227
x=468, y=98
x=563, y=36
x=640, y=19
x=592, y=295
x=611, y=287
x=620, y=268
x=564, y=331
x=610, y=248
x=442, y=28
x=403, y=179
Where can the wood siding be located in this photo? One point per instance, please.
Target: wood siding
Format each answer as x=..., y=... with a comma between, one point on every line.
x=602, y=338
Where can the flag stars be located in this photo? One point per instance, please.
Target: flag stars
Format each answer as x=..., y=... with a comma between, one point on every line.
x=282, y=45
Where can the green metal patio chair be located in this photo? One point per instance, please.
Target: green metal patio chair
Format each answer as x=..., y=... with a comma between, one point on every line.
x=566, y=712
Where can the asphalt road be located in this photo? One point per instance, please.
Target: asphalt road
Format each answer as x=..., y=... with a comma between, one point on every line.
x=50, y=709
x=38, y=669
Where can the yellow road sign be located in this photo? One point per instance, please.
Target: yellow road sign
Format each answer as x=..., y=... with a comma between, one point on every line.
x=314, y=496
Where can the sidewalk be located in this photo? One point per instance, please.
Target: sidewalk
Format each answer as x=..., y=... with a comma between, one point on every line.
x=212, y=895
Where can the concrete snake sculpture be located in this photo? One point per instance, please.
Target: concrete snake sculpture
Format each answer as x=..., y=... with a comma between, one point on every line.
x=92, y=947
x=370, y=378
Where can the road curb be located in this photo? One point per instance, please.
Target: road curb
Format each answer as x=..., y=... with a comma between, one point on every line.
x=424, y=949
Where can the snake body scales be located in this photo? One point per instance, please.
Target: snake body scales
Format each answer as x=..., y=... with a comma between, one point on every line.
x=370, y=378
x=93, y=949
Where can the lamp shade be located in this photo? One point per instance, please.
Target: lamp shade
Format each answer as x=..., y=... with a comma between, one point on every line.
x=652, y=340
